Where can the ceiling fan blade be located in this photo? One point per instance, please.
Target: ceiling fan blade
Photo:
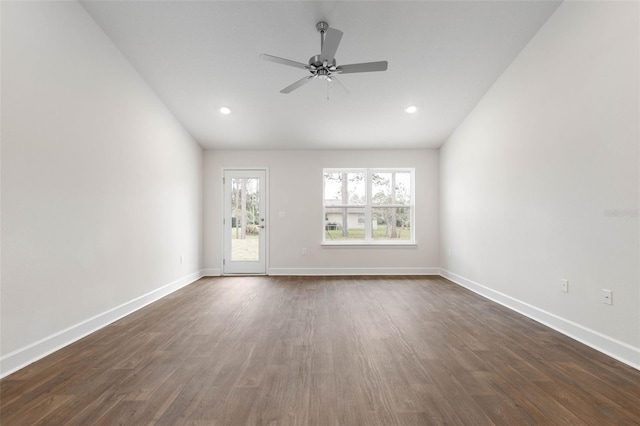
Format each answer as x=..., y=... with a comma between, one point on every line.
x=332, y=39
x=297, y=84
x=284, y=61
x=364, y=67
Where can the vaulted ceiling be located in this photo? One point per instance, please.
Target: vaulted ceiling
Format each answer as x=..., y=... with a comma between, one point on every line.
x=199, y=56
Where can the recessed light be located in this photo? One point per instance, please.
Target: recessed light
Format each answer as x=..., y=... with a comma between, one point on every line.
x=411, y=109
x=225, y=110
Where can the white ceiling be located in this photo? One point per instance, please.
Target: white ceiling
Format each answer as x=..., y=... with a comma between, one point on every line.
x=199, y=56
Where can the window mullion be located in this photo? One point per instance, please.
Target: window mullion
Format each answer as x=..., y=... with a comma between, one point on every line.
x=368, y=231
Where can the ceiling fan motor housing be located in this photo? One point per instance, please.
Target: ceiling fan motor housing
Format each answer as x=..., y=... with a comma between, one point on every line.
x=317, y=63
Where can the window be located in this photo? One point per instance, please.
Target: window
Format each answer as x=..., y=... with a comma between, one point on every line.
x=368, y=206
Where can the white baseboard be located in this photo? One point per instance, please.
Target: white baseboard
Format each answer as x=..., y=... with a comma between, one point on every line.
x=621, y=351
x=353, y=271
x=22, y=357
x=211, y=272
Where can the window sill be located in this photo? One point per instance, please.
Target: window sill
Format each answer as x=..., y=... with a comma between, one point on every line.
x=369, y=244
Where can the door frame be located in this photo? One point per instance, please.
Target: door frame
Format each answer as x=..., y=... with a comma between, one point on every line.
x=267, y=228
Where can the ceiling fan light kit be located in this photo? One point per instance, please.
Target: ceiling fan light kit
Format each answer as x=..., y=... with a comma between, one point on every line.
x=323, y=66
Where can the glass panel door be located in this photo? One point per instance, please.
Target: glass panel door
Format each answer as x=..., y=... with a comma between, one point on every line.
x=245, y=227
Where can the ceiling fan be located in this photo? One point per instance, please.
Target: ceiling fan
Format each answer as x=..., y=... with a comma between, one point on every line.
x=323, y=66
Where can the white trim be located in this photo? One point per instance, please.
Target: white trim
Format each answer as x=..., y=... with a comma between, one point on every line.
x=229, y=266
x=621, y=351
x=353, y=271
x=369, y=205
x=364, y=243
x=22, y=357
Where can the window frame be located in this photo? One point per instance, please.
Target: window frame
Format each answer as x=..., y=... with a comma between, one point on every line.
x=368, y=206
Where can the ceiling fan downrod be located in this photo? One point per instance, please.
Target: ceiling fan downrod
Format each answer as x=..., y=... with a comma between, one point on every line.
x=322, y=26
x=316, y=63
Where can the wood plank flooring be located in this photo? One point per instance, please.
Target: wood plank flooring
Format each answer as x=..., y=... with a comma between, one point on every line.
x=323, y=351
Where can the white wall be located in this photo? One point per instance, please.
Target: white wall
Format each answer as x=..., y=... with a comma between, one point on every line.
x=295, y=188
x=528, y=177
x=101, y=187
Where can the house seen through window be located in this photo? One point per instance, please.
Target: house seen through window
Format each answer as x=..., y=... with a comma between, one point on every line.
x=368, y=206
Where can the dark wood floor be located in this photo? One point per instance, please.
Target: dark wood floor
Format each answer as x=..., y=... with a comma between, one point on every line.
x=323, y=351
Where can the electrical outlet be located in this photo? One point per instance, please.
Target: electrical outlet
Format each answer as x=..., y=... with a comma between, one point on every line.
x=304, y=251
x=564, y=285
x=607, y=296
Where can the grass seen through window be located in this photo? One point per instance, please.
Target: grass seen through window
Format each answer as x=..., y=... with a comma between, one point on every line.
x=380, y=233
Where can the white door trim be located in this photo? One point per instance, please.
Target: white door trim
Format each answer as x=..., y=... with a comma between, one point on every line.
x=264, y=215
